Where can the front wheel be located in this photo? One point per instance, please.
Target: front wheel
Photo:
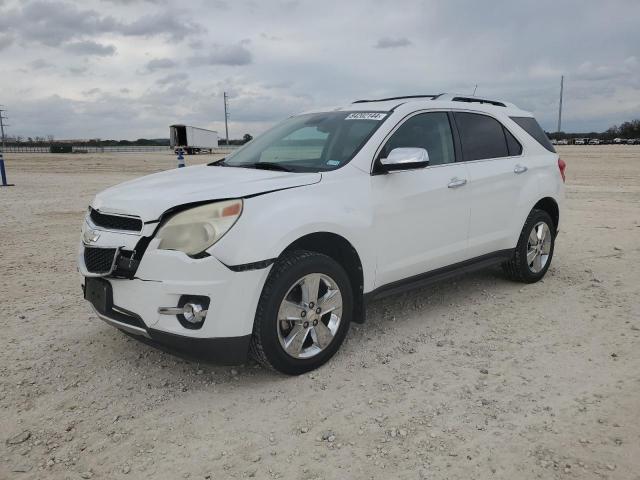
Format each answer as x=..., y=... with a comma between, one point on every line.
x=534, y=251
x=303, y=314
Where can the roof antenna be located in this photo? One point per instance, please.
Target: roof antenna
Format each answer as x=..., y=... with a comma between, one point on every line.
x=474, y=90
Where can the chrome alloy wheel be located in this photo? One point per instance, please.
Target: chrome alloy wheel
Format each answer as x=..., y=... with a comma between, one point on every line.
x=309, y=316
x=538, y=247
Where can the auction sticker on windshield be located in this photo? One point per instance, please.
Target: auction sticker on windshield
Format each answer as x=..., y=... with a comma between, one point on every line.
x=366, y=116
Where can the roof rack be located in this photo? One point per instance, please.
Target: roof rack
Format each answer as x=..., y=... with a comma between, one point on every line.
x=451, y=97
x=396, y=98
x=478, y=100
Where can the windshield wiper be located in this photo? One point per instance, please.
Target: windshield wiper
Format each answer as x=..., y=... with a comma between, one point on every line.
x=218, y=163
x=266, y=166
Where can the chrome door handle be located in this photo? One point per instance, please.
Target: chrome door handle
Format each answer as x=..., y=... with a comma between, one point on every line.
x=520, y=169
x=457, y=182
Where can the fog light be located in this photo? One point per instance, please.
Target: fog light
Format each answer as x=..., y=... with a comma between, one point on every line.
x=193, y=312
x=190, y=312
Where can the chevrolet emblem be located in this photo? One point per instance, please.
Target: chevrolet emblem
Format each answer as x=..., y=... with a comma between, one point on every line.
x=90, y=236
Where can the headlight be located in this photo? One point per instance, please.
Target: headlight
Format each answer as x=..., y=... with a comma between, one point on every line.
x=196, y=229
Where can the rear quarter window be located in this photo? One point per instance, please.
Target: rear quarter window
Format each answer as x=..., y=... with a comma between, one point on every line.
x=531, y=126
x=513, y=145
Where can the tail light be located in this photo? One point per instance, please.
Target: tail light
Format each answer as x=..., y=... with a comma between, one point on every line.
x=562, y=166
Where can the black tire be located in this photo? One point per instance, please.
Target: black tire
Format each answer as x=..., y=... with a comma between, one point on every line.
x=517, y=268
x=265, y=345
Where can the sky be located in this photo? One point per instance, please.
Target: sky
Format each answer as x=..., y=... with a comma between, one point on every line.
x=128, y=69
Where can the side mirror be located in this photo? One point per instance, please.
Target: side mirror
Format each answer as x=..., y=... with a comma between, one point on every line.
x=405, y=159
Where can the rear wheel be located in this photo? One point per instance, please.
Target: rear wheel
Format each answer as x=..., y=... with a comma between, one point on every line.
x=534, y=251
x=303, y=314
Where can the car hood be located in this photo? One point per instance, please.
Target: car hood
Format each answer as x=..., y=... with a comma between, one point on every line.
x=150, y=196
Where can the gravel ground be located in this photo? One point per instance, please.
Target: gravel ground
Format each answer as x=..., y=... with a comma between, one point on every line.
x=473, y=378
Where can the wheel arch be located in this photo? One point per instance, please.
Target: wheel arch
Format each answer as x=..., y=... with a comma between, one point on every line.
x=549, y=205
x=342, y=251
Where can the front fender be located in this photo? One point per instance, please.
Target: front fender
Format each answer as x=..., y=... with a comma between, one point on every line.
x=271, y=222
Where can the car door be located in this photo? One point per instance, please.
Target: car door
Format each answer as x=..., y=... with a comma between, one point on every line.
x=421, y=215
x=497, y=176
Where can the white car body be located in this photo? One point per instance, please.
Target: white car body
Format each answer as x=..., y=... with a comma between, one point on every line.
x=401, y=225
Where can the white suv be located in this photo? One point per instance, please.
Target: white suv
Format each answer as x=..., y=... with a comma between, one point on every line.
x=277, y=248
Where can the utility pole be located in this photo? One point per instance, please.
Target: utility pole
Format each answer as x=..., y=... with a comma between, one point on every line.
x=3, y=173
x=226, y=117
x=560, y=105
x=2, y=125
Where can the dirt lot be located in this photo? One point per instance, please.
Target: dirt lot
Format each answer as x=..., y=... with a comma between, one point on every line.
x=476, y=378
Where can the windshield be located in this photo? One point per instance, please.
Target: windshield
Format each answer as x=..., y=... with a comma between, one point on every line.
x=309, y=143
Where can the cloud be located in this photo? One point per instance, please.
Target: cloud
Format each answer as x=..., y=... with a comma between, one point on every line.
x=289, y=5
x=273, y=38
x=233, y=55
x=78, y=70
x=92, y=91
x=5, y=41
x=173, y=78
x=387, y=42
x=160, y=64
x=53, y=23
x=40, y=64
x=133, y=2
x=169, y=24
x=286, y=67
x=591, y=71
x=89, y=47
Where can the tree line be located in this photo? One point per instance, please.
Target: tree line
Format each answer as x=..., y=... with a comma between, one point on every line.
x=241, y=141
x=625, y=130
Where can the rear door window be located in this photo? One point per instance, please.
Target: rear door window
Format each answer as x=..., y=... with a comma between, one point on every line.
x=533, y=128
x=481, y=136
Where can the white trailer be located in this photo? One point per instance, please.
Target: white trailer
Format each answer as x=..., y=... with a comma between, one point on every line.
x=192, y=139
